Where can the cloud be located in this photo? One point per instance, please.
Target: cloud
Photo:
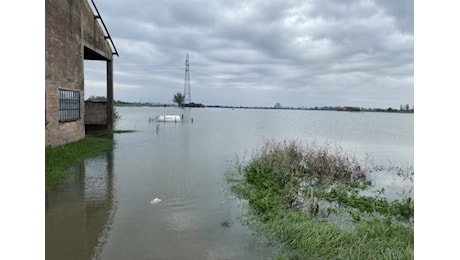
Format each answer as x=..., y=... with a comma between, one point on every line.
x=301, y=53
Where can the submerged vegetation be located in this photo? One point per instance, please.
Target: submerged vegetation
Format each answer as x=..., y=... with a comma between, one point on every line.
x=314, y=202
x=59, y=160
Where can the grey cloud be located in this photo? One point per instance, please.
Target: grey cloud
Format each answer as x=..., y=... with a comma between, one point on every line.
x=403, y=13
x=298, y=52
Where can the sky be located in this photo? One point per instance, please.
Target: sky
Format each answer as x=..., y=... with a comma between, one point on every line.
x=164, y=35
x=257, y=53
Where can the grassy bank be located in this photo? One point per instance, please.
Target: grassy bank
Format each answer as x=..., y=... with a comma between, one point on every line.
x=311, y=202
x=59, y=160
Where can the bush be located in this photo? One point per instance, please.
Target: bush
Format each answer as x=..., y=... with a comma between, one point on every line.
x=293, y=191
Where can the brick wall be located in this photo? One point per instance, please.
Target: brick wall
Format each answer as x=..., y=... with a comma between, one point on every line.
x=69, y=27
x=63, y=67
x=92, y=34
x=95, y=113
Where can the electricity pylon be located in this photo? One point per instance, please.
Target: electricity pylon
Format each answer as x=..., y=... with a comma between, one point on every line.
x=187, y=95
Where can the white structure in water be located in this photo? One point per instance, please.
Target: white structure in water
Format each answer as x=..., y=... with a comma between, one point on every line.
x=169, y=118
x=155, y=201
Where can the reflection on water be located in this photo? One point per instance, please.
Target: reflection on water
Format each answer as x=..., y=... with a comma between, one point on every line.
x=104, y=211
x=80, y=210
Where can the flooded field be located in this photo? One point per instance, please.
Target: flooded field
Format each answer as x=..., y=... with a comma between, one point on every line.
x=107, y=210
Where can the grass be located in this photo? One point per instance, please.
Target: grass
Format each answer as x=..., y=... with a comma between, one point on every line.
x=59, y=160
x=225, y=223
x=296, y=194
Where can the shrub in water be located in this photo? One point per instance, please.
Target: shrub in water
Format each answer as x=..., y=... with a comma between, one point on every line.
x=293, y=190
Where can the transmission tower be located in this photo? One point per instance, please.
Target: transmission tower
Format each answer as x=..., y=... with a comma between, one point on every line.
x=187, y=95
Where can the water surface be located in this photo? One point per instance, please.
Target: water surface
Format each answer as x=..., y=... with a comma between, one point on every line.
x=104, y=211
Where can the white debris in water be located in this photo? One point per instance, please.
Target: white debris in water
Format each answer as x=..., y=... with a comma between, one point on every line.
x=155, y=201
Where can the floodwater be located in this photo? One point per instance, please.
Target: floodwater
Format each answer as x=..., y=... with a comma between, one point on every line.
x=104, y=211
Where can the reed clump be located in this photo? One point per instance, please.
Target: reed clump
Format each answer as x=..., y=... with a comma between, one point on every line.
x=311, y=201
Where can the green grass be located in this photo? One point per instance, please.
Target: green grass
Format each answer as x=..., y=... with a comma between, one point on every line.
x=59, y=160
x=273, y=183
x=225, y=223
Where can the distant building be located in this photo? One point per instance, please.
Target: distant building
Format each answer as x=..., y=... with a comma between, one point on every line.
x=352, y=109
x=72, y=34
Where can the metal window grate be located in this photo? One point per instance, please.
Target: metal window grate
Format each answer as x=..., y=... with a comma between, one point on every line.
x=69, y=105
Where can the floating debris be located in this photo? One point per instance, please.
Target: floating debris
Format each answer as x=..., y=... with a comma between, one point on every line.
x=155, y=201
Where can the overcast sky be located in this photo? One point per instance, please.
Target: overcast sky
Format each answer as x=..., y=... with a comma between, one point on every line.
x=256, y=53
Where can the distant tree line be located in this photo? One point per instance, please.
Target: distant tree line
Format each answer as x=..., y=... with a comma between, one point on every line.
x=97, y=98
x=403, y=108
x=178, y=100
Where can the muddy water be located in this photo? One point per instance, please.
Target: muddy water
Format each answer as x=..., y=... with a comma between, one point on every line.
x=105, y=212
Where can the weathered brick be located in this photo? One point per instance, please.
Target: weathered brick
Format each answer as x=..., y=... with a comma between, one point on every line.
x=70, y=28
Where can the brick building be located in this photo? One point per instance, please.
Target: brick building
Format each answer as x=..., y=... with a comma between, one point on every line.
x=73, y=33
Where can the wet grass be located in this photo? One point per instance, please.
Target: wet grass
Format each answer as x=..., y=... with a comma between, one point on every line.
x=225, y=224
x=59, y=160
x=310, y=201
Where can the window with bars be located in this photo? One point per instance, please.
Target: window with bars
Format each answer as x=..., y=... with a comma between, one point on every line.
x=69, y=105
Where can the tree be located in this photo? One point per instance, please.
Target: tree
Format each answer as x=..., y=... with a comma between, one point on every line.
x=179, y=99
x=97, y=98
